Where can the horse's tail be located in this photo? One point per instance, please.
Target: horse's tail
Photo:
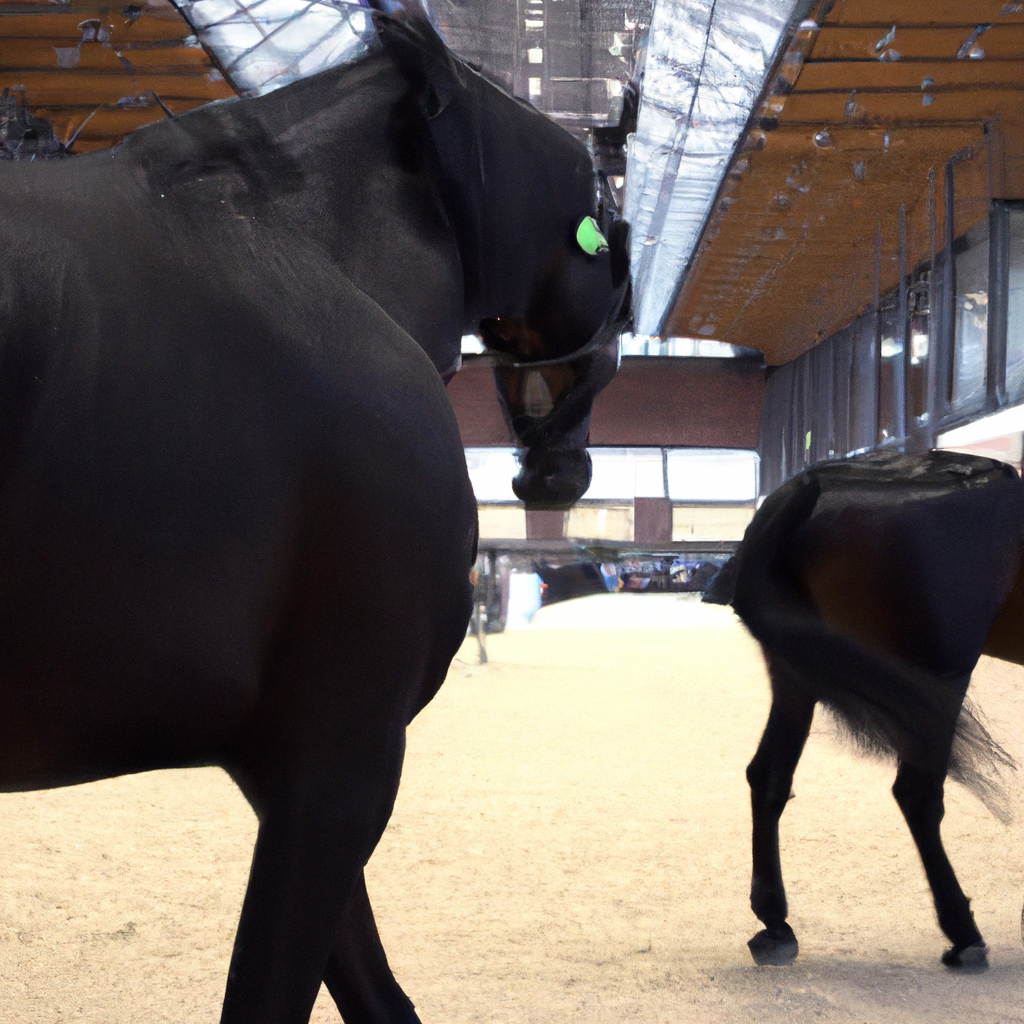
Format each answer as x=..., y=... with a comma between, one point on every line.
x=781, y=512
x=885, y=705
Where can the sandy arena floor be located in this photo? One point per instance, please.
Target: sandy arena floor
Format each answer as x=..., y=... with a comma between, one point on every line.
x=570, y=843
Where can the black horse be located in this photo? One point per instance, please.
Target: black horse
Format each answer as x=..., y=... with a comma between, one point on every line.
x=214, y=400
x=873, y=585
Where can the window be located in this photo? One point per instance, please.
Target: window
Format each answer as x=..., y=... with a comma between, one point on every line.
x=890, y=371
x=970, y=322
x=615, y=472
x=712, y=474
x=864, y=385
x=918, y=338
x=1015, y=309
x=491, y=471
x=262, y=46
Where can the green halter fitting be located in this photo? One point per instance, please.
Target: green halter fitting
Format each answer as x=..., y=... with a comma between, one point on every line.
x=589, y=236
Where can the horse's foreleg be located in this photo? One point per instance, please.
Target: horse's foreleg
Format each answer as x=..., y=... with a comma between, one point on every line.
x=319, y=822
x=358, y=975
x=770, y=775
x=919, y=794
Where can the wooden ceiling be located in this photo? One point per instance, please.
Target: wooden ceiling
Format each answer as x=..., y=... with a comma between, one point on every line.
x=70, y=61
x=846, y=156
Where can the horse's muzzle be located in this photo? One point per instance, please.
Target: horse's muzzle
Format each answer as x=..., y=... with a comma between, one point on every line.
x=552, y=478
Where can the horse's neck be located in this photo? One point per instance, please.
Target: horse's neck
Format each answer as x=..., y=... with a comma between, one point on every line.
x=380, y=221
x=311, y=105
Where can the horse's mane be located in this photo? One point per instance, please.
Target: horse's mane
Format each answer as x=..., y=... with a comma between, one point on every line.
x=416, y=30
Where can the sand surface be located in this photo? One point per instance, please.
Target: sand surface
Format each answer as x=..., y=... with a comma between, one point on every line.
x=571, y=842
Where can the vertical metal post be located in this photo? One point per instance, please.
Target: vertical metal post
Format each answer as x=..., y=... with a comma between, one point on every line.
x=481, y=597
x=998, y=302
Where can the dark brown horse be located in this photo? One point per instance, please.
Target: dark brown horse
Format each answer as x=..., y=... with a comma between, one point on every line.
x=874, y=584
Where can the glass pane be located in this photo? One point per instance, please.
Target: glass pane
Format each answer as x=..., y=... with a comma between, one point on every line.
x=1015, y=309
x=264, y=44
x=706, y=66
x=842, y=379
x=890, y=376
x=970, y=345
x=919, y=307
x=864, y=385
x=622, y=474
x=649, y=473
x=614, y=475
x=822, y=413
x=776, y=424
x=712, y=474
x=491, y=471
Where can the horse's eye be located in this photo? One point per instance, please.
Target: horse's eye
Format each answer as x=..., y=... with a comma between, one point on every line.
x=589, y=237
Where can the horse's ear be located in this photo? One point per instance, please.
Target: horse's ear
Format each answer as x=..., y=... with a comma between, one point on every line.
x=412, y=42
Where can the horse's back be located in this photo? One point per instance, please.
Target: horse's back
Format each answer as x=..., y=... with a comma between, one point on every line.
x=911, y=555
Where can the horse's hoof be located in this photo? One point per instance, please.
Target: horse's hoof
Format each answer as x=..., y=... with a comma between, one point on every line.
x=774, y=947
x=967, y=958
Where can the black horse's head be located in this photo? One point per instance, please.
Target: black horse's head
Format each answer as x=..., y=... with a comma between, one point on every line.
x=545, y=259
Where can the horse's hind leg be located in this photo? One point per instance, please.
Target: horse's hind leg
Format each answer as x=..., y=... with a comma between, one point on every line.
x=918, y=792
x=770, y=775
x=358, y=976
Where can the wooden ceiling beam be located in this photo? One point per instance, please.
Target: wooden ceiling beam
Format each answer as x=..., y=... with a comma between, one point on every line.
x=75, y=59
x=901, y=109
x=106, y=124
x=793, y=241
x=878, y=76
x=907, y=76
x=921, y=14
x=1001, y=42
x=40, y=55
x=48, y=21
x=100, y=88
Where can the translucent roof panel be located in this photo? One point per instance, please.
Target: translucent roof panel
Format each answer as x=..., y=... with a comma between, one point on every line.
x=264, y=44
x=706, y=65
x=570, y=58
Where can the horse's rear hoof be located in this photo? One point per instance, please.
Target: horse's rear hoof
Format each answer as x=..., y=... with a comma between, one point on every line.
x=774, y=947
x=968, y=958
